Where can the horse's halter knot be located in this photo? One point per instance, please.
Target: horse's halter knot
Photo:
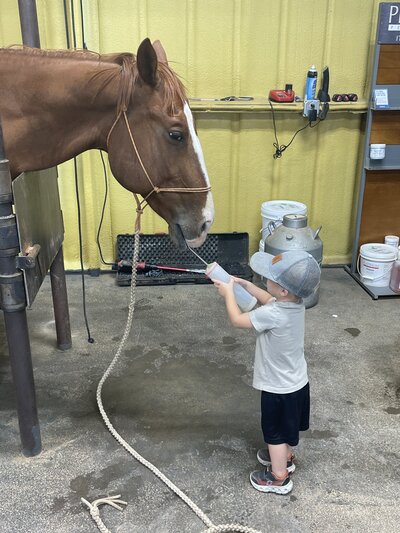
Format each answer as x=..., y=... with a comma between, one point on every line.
x=142, y=204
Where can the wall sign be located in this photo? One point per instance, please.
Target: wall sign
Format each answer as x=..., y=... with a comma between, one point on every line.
x=389, y=23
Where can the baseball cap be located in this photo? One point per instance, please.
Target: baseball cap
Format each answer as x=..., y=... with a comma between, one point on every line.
x=296, y=271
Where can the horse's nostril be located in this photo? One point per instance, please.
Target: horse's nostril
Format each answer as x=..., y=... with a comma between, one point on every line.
x=204, y=227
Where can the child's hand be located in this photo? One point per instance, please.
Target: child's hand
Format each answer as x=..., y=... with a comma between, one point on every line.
x=243, y=282
x=224, y=288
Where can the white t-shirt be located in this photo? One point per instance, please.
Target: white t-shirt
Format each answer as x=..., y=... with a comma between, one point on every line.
x=279, y=364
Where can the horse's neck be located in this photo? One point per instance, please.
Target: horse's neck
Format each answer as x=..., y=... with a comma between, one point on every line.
x=52, y=110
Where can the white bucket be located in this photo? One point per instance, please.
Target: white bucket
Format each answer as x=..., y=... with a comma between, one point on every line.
x=376, y=261
x=275, y=210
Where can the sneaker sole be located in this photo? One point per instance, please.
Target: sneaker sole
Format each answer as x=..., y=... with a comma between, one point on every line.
x=284, y=489
x=290, y=469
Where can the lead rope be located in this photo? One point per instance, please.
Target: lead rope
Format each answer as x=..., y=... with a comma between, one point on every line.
x=114, y=500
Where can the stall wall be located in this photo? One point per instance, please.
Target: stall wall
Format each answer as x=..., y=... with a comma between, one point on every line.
x=220, y=48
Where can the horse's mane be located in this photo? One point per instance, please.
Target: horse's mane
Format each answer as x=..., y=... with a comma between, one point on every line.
x=173, y=87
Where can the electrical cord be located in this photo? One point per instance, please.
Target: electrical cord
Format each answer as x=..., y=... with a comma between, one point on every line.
x=73, y=23
x=316, y=123
x=83, y=27
x=67, y=35
x=90, y=338
x=279, y=149
x=103, y=211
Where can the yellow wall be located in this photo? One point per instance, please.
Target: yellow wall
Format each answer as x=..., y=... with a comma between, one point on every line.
x=224, y=47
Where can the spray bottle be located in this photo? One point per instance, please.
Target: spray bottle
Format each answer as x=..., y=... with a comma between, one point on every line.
x=243, y=298
x=311, y=84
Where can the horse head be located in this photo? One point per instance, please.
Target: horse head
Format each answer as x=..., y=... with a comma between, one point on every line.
x=154, y=149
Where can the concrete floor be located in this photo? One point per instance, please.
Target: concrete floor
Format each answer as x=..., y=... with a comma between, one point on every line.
x=181, y=396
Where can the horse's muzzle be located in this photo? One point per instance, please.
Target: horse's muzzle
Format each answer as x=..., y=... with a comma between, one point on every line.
x=195, y=243
x=178, y=237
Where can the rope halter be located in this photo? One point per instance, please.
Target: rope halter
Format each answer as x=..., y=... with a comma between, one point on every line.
x=142, y=204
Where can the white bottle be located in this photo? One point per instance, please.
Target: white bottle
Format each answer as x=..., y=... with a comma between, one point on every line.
x=243, y=298
x=392, y=240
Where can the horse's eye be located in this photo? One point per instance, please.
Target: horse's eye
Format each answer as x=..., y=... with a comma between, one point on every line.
x=176, y=136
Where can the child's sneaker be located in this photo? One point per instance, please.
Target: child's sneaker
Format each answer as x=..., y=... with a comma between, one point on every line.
x=265, y=481
x=264, y=458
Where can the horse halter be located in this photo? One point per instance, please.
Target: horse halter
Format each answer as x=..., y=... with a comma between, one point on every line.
x=142, y=204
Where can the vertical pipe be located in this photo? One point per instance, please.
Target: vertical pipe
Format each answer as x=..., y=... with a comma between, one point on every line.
x=2, y=151
x=21, y=366
x=60, y=302
x=29, y=23
x=12, y=300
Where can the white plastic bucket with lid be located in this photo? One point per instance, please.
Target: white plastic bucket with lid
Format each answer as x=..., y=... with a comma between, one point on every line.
x=275, y=210
x=375, y=263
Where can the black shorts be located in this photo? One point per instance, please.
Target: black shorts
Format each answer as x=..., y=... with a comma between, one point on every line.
x=284, y=415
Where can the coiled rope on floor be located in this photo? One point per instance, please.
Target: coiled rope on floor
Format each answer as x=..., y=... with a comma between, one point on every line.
x=114, y=500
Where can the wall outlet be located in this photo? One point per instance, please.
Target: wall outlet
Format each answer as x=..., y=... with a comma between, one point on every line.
x=311, y=109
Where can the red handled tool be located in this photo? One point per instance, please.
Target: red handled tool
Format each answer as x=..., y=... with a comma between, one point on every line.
x=141, y=265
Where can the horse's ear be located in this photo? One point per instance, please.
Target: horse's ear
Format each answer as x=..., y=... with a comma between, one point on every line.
x=159, y=49
x=147, y=63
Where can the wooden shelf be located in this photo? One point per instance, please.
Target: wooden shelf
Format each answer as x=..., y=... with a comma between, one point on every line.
x=261, y=105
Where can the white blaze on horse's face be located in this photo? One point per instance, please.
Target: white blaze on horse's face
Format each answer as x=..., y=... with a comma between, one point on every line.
x=208, y=210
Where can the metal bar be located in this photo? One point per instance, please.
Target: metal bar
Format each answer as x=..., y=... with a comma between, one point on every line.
x=13, y=304
x=60, y=302
x=2, y=151
x=21, y=366
x=29, y=23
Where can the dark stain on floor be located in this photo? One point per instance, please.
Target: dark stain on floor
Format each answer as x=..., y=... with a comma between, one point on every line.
x=392, y=410
x=353, y=331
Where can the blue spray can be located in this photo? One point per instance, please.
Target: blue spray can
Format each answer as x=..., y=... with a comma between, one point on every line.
x=311, y=84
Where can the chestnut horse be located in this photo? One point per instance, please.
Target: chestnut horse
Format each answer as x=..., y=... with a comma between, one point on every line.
x=55, y=105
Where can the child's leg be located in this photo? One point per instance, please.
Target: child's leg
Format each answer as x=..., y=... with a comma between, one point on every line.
x=279, y=454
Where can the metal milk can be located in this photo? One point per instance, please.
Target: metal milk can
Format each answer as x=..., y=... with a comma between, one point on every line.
x=294, y=234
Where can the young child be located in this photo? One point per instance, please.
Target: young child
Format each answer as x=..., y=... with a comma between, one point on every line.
x=280, y=369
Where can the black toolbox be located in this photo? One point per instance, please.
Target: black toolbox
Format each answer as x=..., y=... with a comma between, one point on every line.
x=230, y=250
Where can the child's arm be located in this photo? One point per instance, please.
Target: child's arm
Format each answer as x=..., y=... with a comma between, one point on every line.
x=262, y=296
x=237, y=318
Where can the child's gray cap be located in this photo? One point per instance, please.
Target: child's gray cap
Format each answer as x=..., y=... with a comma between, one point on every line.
x=296, y=271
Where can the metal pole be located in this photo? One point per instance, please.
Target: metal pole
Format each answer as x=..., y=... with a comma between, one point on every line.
x=60, y=302
x=2, y=151
x=21, y=366
x=29, y=23
x=13, y=304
